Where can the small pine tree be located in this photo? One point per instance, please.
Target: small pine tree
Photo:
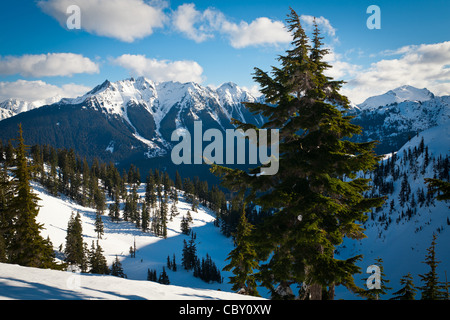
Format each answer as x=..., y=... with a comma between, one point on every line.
x=99, y=229
x=431, y=289
x=185, y=229
x=97, y=260
x=174, y=263
x=163, y=277
x=74, y=249
x=408, y=291
x=374, y=294
x=117, y=269
x=243, y=260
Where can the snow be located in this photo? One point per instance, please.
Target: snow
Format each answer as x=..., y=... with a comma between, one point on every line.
x=22, y=283
x=403, y=245
x=400, y=94
x=11, y=107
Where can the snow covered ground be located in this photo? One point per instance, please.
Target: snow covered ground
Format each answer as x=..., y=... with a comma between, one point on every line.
x=24, y=283
x=28, y=283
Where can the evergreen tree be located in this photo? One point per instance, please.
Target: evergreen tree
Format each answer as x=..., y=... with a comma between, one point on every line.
x=163, y=277
x=374, y=294
x=185, y=229
x=243, y=260
x=97, y=260
x=74, y=249
x=99, y=229
x=431, y=290
x=408, y=291
x=151, y=275
x=27, y=246
x=145, y=215
x=317, y=174
x=442, y=187
x=174, y=263
x=117, y=269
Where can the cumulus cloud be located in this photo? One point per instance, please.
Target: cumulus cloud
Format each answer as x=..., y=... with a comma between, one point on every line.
x=192, y=23
x=46, y=65
x=161, y=70
x=126, y=20
x=201, y=26
x=323, y=24
x=422, y=66
x=39, y=90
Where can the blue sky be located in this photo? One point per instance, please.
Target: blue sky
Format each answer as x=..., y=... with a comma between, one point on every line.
x=212, y=42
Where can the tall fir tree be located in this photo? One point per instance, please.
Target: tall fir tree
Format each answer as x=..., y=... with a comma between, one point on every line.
x=243, y=260
x=317, y=175
x=74, y=249
x=27, y=246
x=432, y=288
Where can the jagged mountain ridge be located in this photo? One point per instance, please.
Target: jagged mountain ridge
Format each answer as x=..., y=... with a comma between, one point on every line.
x=397, y=95
x=394, y=124
x=135, y=118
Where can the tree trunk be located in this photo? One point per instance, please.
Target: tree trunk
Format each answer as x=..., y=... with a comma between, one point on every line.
x=315, y=292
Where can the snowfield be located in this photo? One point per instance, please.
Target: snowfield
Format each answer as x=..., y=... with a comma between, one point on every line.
x=18, y=282
x=24, y=283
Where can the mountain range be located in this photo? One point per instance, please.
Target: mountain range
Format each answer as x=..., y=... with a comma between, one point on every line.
x=131, y=120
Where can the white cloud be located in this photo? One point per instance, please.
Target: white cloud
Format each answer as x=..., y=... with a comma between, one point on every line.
x=201, y=26
x=422, y=66
x=261, y=31
x=186, y=17
x=323, y=24
x=39, y=90
x=126, y=20
x=161, y=70
x=45, y=65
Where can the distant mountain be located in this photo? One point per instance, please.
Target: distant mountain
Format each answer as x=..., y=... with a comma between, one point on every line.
x=400, y=114
x=132, y=120
x=12, y=107
x=400, y=94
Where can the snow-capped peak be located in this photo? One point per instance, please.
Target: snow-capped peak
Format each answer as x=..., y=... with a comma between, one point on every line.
x=11, y=107
x=400, y=94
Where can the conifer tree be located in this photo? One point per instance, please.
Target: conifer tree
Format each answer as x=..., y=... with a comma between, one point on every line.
x=375, y=293
x=97, y=260
x=317, y=175
x=408, y=291
x=117, y=269
x=163, y=277
x=243, y=260
x=431, y=290
x=74, y=249
x=185, y=229
x=99, y=228
x=27, y=246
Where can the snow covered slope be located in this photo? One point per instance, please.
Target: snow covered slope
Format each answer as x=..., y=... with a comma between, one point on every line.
x=400, y=234
x=24, y=283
